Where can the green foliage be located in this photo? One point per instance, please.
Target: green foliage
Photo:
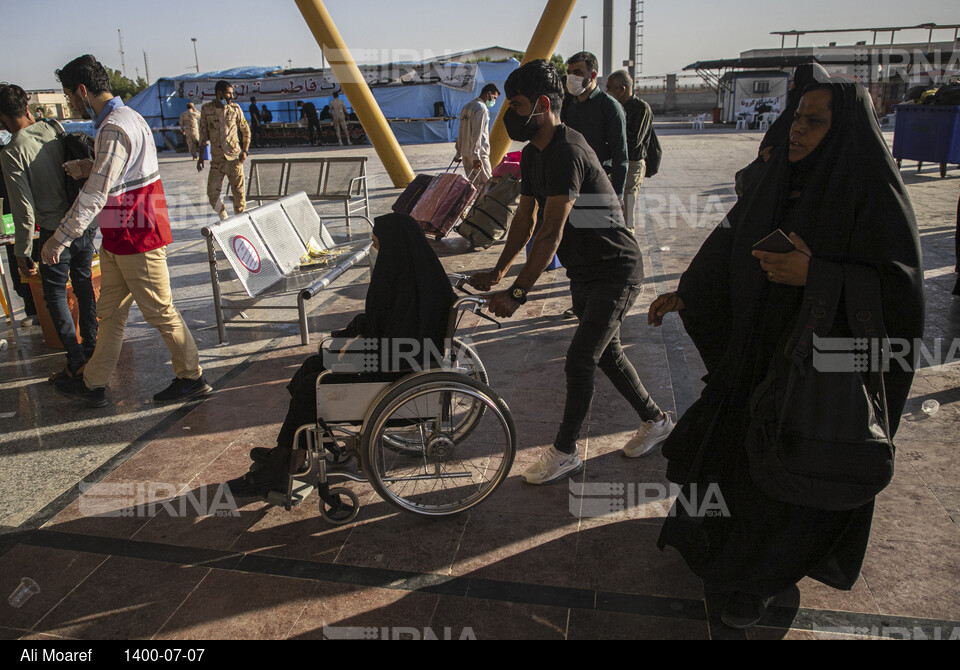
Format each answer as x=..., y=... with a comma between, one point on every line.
x=124, y=87
x=558, y=61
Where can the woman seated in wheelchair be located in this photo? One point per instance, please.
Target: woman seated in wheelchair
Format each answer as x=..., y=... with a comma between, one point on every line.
x=409, y=297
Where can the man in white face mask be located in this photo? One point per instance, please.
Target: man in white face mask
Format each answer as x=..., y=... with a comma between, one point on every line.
x=473, y=139
x=596, y=116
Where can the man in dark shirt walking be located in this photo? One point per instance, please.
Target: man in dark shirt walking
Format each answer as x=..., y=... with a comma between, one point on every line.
x=597, y=117
x=308, y=111
x=639, y=125
x=566, y=195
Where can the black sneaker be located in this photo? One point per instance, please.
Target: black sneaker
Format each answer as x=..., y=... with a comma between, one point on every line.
x=74, y=388
x=744, y=610
x=183, y=389
x=260, y=482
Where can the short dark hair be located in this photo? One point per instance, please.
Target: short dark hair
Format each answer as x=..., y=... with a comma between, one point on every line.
x=585, y=57
x=13, y=101
x=85, y=70
x=222, y=86
x=535, y=79
x=490, y=88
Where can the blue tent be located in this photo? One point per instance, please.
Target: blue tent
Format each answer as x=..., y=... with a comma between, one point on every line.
x=409, y=107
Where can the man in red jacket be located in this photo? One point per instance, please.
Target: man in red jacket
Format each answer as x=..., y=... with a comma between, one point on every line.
x=126, y=196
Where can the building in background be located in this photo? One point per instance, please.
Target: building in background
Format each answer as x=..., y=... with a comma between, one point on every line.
x=54, y=103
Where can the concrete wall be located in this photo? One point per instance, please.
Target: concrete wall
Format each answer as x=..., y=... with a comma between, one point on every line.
x=681, y=102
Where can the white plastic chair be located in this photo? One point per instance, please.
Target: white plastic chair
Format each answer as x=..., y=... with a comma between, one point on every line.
x=697, y=122
x=743, y=123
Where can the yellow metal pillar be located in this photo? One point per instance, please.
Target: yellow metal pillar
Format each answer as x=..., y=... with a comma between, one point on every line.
x=357, y=92
x=542, y=45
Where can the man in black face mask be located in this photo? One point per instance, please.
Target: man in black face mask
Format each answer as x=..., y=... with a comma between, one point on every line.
x=565, y=195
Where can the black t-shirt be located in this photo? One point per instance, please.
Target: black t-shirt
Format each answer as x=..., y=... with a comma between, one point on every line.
x=596, y=245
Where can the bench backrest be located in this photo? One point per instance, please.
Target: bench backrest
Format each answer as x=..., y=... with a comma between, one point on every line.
x=265, y=178
x=274, y=178
x=265, y=244
x=303, y=215
x=247, y=253
x=338, y=180
x=280, y=236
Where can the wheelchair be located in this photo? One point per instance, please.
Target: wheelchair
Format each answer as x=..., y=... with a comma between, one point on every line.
x=434, y=442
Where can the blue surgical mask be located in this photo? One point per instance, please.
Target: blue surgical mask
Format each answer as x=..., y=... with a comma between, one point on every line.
x=491, y=103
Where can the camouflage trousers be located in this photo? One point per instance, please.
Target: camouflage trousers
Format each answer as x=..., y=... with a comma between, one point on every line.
x=233, y=171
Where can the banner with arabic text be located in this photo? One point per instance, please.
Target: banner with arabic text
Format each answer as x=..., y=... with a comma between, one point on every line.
x=319, y=84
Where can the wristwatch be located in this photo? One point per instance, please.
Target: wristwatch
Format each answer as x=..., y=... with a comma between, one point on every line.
x=518, y=293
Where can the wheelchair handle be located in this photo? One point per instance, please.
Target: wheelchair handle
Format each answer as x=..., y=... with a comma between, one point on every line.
x=473, y=303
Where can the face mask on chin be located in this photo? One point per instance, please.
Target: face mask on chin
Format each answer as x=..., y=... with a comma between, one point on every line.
x=86, y=111
x=518, y=128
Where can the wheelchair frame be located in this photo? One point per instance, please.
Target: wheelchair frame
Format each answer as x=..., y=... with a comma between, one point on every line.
x=411, y=445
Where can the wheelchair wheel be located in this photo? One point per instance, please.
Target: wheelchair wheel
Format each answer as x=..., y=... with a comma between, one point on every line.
x=466, y=358
x=461, y=454
x=465, y=361
x=338, y=511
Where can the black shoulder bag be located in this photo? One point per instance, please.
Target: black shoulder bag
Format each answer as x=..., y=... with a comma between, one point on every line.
x=654, y=154
x=76, y=146
x=819, y=431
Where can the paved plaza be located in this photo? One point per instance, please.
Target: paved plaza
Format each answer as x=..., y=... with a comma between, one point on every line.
x=530, y=562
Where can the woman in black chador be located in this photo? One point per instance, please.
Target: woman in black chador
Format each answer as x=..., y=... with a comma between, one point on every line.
x=409, y=297
x=833, y=187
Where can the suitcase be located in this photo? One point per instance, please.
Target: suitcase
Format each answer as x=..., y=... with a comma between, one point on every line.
x=510, y=165
x=443, y=203
x=411, y=194
x=491, y=214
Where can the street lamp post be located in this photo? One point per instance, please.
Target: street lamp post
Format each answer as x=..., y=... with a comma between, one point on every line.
x=195, y=59
x=584, y=45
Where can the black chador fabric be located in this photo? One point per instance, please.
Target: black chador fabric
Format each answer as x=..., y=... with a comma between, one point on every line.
x=409, y=297
x=847, y=202
x=956, y=288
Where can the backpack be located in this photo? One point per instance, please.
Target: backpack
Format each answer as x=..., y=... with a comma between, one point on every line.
x=76, y=146
x=654, y=154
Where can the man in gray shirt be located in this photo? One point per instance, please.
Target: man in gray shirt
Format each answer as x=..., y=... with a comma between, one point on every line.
x=34, y=175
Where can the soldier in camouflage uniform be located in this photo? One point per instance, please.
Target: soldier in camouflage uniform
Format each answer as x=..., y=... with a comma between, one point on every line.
x=189, y=126
x=224, y=127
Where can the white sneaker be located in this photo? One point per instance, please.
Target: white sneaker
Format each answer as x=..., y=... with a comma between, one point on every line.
x=552, y=467
x=648, y=437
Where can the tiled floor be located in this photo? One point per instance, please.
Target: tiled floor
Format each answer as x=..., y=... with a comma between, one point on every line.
x=152, y=549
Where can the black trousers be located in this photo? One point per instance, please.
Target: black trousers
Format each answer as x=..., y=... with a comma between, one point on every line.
x=601, y=308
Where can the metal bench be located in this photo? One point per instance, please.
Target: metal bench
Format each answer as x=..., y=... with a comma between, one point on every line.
x=263, y=247
x=338, y=178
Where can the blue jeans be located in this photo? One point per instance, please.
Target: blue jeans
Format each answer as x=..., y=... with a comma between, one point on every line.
x=601, y=308
x=74, y=265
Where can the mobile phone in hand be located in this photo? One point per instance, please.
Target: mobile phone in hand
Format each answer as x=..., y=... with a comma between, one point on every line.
x=776, y=242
